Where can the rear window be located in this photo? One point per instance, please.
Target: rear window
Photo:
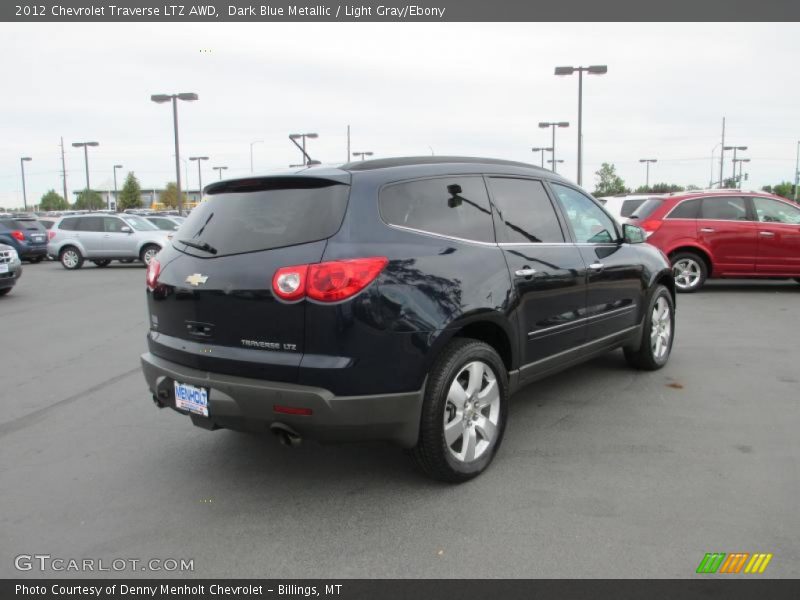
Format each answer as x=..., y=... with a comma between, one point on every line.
x=646, y=208
x=298, y=212
x=25, y=224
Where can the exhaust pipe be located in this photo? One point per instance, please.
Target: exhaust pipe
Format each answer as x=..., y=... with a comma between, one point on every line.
x=286, y=435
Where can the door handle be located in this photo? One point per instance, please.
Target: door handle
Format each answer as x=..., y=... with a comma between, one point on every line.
x=766, y=233
x=706, y=230
x=597, y=266
x=525, y=272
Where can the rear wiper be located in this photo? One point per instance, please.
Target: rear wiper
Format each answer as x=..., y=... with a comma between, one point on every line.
x=205, y=247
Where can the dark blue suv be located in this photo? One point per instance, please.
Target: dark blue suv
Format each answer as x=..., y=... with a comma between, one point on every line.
x=26, y=235
x=399, y=299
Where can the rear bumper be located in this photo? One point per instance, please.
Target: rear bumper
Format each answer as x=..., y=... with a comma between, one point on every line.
x=246, y=404
x=32, y=251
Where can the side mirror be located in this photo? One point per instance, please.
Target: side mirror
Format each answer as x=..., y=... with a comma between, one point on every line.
x=126, y=229
x=633, y=234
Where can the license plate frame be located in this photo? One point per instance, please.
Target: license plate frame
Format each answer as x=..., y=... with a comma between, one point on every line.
x=191, y=398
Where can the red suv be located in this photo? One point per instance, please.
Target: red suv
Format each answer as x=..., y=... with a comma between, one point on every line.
x=723, y=233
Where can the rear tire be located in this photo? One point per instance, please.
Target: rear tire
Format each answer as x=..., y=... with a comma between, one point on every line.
x=690, y=271
x=4, y=291
x=70, y=258
x=464, y=412
x=102, y=263
x=658, y=333
x=148, y=253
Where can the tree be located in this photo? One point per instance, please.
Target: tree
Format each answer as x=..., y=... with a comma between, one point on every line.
x=784, y=189
x=52, y=201
x=89, y=200
x=692, y=187
x=659, y=188
x=169, y=197
x=608, y=182
x=131, y=194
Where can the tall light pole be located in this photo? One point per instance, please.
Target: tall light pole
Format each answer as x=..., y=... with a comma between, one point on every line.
x=22, y=162
x=116, y=201
x=296, y=136
x=734, y=148
x=722, y=155
x=251, y=153
x=592, y=70
x=542, y=150
x=647, y=161
x=85, y=146
x=555, y=162
x=160, y=99
x=199, y=160
x=740, y=161
x=220, y=170
x=362, y=154
x=553, y=125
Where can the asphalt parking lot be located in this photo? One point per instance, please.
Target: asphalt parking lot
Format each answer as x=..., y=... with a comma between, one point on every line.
x=604, y=472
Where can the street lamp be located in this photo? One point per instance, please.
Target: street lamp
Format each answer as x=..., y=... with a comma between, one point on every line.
x=555, y=162
x=116, y=201
x=647, y=161
x=199, y=159
x=592, y=70
x=740, y=161
x=542, y=150
x=22, y=162
x=85, y=146
x=220, y=170
x=734, y=148
x=362, y=154
x=553, y=125
x=160, y=99
x=296, y=136
x=251, y=153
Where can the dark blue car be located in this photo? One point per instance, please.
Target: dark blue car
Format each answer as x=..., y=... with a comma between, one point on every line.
x=26, y=235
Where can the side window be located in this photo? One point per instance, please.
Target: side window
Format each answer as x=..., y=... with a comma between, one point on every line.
x=630, y=206
x=452, y=206
x=69, y=224
x=589, y=223
x=724, y=208
x=525, y=209
x=688, y=209
x=774, y=211
x=112, y=225
x=90, y=224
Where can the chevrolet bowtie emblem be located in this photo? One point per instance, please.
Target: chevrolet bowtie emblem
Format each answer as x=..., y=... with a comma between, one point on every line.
x=196, y=279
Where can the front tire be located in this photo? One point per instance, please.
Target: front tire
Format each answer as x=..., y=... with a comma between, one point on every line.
x=464, y=412
x=690, y=272
x=149, y=253
x=70, y=258
x=658, y=333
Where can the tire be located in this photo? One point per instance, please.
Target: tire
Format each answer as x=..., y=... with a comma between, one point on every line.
x=690, y=272
x=148, y=253
x=444, y=456
x=70, y=258
x=658, y=333
x=4, y=291
x=102, y=263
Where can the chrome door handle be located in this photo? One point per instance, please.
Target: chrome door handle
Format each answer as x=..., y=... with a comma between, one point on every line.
x=597, y=266
x=706, y=230
x=766, y=233
x=526, y=272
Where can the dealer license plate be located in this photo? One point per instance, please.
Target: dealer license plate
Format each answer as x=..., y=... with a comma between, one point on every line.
x=191, y=398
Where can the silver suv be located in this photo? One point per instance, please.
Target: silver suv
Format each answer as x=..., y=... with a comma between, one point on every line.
x=102, y=238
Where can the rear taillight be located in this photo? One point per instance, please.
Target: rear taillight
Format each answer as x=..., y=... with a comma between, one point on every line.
x=650, y=226
x=329, y=281
x=18, y=235
x=51, y=234
x=153, y=270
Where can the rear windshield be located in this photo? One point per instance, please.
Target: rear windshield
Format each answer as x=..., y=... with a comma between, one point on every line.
x=298, y=212
x=646, y=208
x=27, y=224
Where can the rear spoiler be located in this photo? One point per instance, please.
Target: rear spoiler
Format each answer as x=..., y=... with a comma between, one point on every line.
x=305, y=179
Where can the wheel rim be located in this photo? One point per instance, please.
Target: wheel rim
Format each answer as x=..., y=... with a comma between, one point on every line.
x=70, y=259
x=687, y=273
x=149, y=255
x=472, y=412
x=660, y=329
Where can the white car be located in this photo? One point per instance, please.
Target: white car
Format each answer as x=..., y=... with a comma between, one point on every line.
x=623, y=206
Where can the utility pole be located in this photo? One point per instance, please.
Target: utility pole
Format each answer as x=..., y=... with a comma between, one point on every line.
x=348, y=145
x=722, y=155
x=64, y=171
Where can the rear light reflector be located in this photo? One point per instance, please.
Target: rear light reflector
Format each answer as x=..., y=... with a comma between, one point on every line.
x=18, y=235
x=292, y=410
x=329, y=281
x=153, y=271
x=651, y=226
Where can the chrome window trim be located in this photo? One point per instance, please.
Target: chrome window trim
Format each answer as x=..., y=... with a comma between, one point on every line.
x=438, y=235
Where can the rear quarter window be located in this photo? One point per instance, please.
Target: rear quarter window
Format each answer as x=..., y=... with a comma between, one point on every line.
x=69, y=224
x=688, y=209
x=646, y=208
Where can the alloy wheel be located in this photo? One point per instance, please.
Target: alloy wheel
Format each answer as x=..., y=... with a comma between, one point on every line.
x=687, y=273
x=660, y=329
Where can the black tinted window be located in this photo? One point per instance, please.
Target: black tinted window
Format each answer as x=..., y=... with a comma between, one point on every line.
x=69, y=224
x=291, y=211
x=724, y=208
x=453, y=206
x=628, y=206
x=646, y=208
x=90, y=224
x=26, y=224
x=688, y=209
x=526, y=211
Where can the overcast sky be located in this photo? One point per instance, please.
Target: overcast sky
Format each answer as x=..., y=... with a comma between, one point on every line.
x=466, y=89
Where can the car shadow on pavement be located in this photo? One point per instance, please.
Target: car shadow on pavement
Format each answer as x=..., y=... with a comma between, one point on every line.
x=780, y=286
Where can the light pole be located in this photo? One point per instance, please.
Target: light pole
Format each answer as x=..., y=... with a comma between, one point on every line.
x=160, y=99
x=116, y=202
x=296, y=136
x=647, y=161
x=220, y=170
x=362, y=154
x=555, y=162
x=199, y=160
x=22, y=162
x=592, y=70
x=734, y=148
x=542, y=150
x=553, y=125
x=740, y=161
x=251, y=153
x=85, y=146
